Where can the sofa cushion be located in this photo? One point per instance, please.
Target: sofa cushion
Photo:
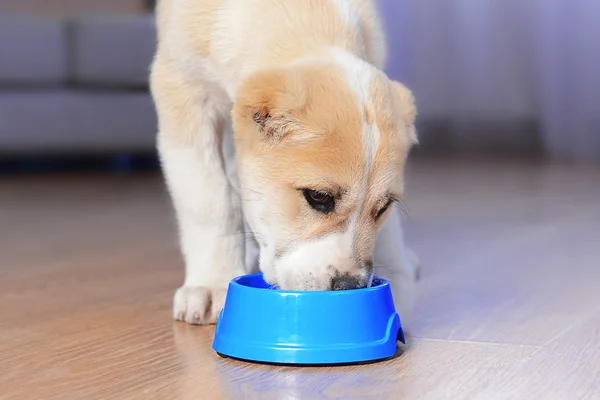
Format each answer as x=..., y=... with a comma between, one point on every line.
x=33, y=50
x=76, y=121
x=112, y=51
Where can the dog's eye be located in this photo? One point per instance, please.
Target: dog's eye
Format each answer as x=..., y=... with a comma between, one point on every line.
x=320, y=201
x=383, y=209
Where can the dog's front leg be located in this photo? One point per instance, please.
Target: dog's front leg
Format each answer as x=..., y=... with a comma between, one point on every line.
x=397, y=263
x=208, y=209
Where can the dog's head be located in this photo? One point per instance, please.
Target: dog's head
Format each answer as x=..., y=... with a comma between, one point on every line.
x=321, y=148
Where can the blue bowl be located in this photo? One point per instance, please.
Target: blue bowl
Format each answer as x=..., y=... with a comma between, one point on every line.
x=261, y=323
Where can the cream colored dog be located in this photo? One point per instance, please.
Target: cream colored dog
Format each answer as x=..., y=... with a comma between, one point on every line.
x=321, y=136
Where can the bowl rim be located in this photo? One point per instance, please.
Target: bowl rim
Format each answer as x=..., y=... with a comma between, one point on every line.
x=235, y=282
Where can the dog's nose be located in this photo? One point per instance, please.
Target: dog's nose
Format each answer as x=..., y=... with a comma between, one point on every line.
x=345, y=282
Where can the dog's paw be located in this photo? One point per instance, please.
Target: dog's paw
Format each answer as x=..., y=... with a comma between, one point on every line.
x=415, y=262
x=198, y=305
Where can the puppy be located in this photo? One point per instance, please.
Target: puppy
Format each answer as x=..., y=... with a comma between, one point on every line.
x=278, y=131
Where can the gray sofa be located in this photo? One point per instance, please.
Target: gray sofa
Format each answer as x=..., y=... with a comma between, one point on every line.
x=76, y=86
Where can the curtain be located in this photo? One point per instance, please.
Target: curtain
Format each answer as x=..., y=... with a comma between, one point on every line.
x=501, y=75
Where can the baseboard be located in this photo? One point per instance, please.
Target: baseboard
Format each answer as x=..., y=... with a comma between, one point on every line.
x=479, y=137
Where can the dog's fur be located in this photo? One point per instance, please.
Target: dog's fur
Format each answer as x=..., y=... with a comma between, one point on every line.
x=300, y=84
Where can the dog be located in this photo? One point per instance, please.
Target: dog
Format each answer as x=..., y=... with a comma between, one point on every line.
x=283, y=147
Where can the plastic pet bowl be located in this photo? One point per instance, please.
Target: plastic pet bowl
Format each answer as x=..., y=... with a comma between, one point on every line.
x=261, y=323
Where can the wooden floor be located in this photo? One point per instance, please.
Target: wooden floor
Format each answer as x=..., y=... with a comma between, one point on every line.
x=509, y=305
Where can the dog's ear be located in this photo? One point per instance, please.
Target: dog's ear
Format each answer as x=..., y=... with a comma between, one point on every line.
x=268, y=99
x=405, y=104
